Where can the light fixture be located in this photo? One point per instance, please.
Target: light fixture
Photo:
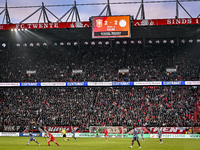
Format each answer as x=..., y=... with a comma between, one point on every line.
x=164, y=41
x=31, y=44
x=139, y=42
x=172, y=41
x=18, y=45
x=75, y=43
x=4, y=45
x=124, y=42
x=117, y=42
x=191, y=41
x=132, y=42
x=61, y=43
x=150, y=42
x=183, y=41
x=107, y=42
x=100, y=43
x=157, y=42
x=92, y=43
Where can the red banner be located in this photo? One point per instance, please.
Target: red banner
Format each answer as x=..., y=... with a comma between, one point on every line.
x=196, y=130
x=86, y=24
x=53, y=25
x=157, y=22
x=58, y=129
x=170, y=130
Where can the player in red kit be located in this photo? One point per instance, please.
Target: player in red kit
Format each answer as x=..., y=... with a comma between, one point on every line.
x=51, y=138
x=105, y=132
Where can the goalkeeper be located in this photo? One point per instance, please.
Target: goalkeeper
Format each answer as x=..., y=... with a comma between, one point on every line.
x=97, y=133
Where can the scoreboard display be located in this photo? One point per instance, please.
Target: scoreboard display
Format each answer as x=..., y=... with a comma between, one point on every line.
x=111, y=27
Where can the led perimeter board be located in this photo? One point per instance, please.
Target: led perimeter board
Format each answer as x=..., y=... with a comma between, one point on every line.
x=111, y=27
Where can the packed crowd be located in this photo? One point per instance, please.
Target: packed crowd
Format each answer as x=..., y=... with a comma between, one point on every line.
x=97, y=106
x=113, y=106
x=100, y=63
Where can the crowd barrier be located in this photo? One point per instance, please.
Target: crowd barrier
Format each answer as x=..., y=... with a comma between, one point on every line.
x=21, y=134
x=72, y=84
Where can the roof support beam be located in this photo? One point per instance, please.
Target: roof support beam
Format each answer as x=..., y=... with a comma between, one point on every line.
x=44, y=12
x=108, y=11
x=73, y=13
x=6, y=14
x=141, y=9
x=177, y=12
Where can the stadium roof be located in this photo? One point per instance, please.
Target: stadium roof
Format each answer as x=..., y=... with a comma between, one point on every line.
x=184, y=28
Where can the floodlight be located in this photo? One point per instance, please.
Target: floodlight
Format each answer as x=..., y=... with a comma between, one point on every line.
x=164, y=41
x=4, y=45
x=100, y=43
x=92, y=43
x=157, y=42
x=107, y=42
x=191, y=41
x=172, y=41
x=139, y=42
x=75, y=43
x=31, y=44
x=150, y=42
x=124, y=42
x=85, y=43
x=183, y=41
x=117, y=42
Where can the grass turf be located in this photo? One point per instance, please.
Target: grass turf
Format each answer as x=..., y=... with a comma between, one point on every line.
x=20, y=143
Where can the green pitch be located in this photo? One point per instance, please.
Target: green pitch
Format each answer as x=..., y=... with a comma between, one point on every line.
x=19, y=143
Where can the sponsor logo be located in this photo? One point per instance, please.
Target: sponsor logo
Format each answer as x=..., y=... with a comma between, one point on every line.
x=148, y=83
x=122, y=23
x=53, y=84
x=77, y=84
x=99, y=83
x=9, y=84
x=99, y=23
x=168, y=129
x=192, y=82
x=145, y=23
x=173, y=83
x=59, y=128
x=30, y=84
x=122, y=83
x=11, y=128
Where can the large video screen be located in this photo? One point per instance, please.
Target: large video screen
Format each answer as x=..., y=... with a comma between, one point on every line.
x=111, y=27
